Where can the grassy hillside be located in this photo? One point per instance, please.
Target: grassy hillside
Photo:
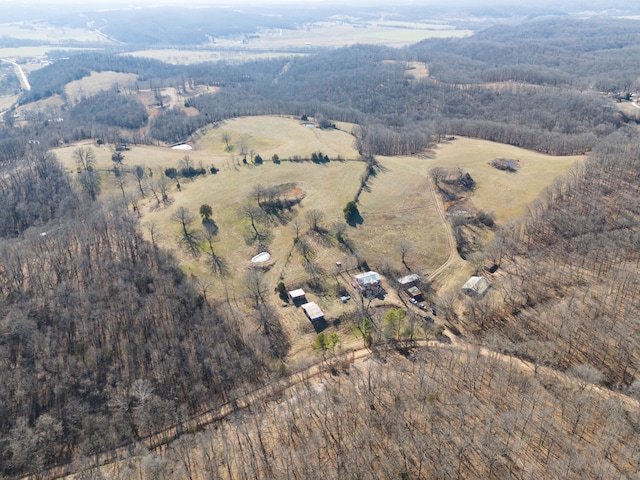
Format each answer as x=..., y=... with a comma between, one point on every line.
x=397, y=204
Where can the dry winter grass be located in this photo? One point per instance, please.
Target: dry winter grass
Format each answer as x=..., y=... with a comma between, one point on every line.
x=396, y=206
x=96, y=82
x=507, y=194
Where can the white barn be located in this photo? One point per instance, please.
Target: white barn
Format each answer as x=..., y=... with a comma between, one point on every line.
x=313, y=311
x=476, y=287
x=297, y=295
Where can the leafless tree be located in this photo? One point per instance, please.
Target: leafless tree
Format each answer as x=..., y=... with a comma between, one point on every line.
x=255, y=216
x=189, y=236
x=404, y=248
x=255, y=285
x=85, y=158
x=139, y=174
x=314, y=217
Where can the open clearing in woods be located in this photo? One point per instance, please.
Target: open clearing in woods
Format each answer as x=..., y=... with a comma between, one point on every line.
x=397, y=206
x=96, y=82
x=505, y=193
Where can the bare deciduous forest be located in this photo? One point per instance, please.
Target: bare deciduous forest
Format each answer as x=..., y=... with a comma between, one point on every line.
x=106, y=341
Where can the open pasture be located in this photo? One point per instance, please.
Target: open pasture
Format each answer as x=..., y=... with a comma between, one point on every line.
x=97, y=82
x=50, y=33
x=283, y=136
x=505, y=193
x=210, y=54
x=398, y=206
x=340, y=34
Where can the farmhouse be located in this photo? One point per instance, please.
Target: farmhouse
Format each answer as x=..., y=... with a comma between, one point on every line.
x=312, y=310
x=368, y=283
x=476, y=287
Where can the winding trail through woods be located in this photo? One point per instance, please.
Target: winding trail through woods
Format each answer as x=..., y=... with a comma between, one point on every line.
x=321, y=367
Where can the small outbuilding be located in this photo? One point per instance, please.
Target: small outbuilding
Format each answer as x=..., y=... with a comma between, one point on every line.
x=297, y=295
x=313, y=311
x=476, y=287
x=414, y=292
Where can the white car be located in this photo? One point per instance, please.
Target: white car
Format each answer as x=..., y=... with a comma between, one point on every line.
x=413, y=300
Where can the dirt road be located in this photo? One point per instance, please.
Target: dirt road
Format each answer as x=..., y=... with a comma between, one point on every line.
x=24, y=82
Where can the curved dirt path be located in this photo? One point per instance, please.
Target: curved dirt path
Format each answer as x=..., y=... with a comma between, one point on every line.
x=278, y=387
x=453, y=253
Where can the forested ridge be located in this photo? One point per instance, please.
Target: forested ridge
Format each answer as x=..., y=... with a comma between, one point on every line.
x=104, y=339
x=549, y=95
x=572, y=277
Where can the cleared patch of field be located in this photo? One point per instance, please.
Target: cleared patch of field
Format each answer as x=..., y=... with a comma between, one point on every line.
x=338, y=34
x=51, y=103
x=506, y=194
x=35, y=51
x=283, y=136
x=400, y=207
x=418, y=70
x=97, y=82
x=398, y=36
x=414, y=25
x=7, y=101
x=631, y=110
x=326, y=188
x=156, y=158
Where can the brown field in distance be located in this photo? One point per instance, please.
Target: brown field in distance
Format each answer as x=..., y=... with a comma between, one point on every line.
x=96, y=82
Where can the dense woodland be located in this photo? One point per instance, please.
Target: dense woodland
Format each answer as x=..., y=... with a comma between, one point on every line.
x=104, y=340
x=524, y=86
x=571, y=290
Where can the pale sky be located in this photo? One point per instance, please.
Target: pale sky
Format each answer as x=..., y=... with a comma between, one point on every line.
x=557, y=5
